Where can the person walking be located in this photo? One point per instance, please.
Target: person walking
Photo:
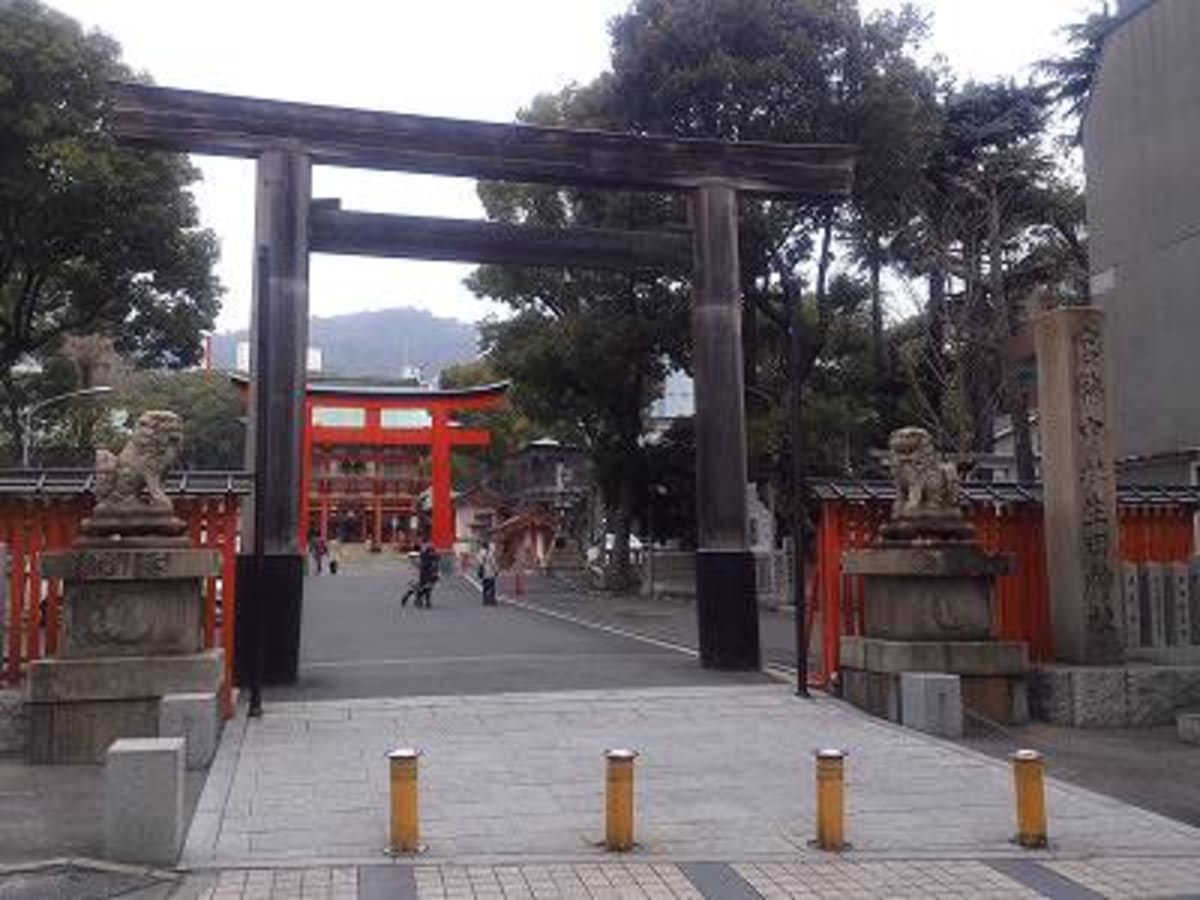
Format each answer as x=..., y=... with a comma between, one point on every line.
x=428, y=576
x=320, y=549
x=421, y=590
x=488, y=571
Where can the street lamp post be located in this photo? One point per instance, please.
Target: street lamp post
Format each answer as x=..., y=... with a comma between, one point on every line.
x=26, y=415
x=656, y=490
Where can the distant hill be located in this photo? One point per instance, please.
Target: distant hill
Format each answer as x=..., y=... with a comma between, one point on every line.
x=379, y=343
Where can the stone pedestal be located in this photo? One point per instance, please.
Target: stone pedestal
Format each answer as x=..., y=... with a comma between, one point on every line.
x=928, y=608
x=132, y=623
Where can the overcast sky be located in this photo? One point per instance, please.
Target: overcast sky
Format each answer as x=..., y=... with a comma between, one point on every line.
x=474, y=59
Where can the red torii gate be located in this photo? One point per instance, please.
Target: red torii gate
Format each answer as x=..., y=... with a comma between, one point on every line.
x=441, y=435
x=372, y=402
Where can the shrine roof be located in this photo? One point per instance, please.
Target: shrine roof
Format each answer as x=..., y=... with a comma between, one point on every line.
x=380, y=387
x=36, y=482
x=1000, y=492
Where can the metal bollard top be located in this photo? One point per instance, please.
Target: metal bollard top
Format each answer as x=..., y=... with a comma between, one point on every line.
x=831, y=753
x=404, y=753
x=620, y=754
x=1025, y=756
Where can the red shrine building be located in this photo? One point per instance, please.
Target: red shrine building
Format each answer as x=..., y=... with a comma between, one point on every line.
x=371, y=449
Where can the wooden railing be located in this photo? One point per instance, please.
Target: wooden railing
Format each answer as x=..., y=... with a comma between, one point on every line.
x=1159, y=531
x=36, y=521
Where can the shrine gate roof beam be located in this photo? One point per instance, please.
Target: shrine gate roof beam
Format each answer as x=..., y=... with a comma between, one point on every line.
x=226, y=125
x=333, y=230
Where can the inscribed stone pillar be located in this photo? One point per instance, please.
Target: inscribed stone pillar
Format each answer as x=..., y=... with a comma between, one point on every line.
x=726, y=601
x=1079, y=485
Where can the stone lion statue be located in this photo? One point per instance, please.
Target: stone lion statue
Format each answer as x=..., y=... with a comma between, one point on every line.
x=927, y=490
x=924, y=482
x=134, y=476
x=129, y=494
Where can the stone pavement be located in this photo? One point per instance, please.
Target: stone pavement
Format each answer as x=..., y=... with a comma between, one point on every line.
x=725, y=773
x=828, y=878
x=1148, y=767
x=357, y=642
x=669, y=620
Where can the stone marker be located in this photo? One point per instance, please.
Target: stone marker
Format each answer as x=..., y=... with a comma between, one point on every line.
x=142, y=801
x=1079, y=494
x=932, y=702
x=195, y=718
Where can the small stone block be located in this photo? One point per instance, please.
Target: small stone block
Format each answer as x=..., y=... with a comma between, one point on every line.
x=194, y=718
x=1188, y=727
x=142, y=800
x=1099, y=697
x=14, y=722
x=931, y=702
x=852, y=652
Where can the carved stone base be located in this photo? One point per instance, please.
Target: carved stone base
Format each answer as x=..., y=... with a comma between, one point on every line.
x=932, y=527
x=81, y=733
x=77, y=707
x=131, y=602
x=935, y=593
x=137, y=521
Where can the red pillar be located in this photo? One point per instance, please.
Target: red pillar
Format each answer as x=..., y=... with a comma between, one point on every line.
x=306, y=461
x=443, y=511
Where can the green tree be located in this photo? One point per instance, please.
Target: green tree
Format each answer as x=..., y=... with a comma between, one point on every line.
x=981, y=207
x=94, y=237
x=587, y=350
x=212, y=410
x=1069, y=78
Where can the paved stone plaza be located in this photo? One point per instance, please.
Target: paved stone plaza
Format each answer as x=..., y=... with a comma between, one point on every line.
x=724, y=773
x=512, y=781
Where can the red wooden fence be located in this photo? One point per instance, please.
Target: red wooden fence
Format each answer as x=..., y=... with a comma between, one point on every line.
x=1148, y=533
x=31, y=525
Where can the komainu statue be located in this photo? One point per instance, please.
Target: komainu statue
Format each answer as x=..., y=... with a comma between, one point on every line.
x=928, y=505
x=130, y=501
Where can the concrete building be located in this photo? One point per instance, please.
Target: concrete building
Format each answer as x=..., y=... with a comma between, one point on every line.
x=1141, y=142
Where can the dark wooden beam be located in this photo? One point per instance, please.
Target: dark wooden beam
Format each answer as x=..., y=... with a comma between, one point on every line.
x=462, y=240
x=242, y=126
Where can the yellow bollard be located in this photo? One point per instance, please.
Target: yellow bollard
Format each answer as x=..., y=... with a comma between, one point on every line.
x=405, y=834
x=618, y=819
x=1031, y=798
x=831, y=800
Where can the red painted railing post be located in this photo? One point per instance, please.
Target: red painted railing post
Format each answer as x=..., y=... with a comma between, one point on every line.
x=229, y=535
x=16, y=595
x=33, y=636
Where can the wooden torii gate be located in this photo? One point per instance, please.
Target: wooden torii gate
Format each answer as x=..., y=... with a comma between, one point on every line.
x=287, y=139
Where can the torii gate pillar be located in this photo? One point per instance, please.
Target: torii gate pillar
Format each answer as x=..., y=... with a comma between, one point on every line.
x=726, y=599
x=275, y=435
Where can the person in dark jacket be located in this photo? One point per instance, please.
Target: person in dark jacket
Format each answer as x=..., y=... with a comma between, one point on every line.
x=427, y=576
